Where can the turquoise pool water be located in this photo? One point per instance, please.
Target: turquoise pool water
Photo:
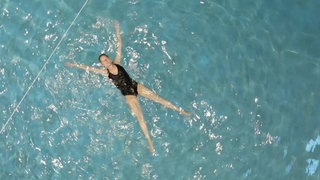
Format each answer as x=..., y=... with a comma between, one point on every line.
x=249, y=72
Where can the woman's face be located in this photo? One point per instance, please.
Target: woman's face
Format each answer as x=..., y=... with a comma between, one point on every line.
x=105, y=61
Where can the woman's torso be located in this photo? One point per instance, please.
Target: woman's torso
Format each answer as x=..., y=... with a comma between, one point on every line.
x=123, y=81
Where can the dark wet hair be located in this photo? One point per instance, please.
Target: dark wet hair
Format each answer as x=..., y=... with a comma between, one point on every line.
x=103, y=54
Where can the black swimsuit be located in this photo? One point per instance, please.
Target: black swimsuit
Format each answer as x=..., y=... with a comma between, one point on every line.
x=123, y=82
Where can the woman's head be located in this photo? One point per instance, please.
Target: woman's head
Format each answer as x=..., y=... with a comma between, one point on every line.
x=105, y=60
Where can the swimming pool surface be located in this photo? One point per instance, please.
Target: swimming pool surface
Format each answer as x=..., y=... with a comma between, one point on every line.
x=248, y=71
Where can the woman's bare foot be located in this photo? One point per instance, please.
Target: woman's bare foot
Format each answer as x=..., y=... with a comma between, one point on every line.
x=185, y=113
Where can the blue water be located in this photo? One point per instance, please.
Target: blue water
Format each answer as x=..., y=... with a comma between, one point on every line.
x=248, y=71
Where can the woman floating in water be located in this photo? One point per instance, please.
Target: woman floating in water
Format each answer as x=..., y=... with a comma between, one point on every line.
x=128, y=87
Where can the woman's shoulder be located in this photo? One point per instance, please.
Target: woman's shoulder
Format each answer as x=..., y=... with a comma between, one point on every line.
x=119, y=66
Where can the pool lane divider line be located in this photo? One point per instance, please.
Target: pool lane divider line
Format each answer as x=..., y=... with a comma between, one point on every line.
x=43, y=67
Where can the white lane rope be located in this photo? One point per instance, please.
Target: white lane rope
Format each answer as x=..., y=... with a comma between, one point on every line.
x=43, y=67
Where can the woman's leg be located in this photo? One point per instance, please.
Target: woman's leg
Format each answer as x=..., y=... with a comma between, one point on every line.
x=146, y=92
x=135, y=108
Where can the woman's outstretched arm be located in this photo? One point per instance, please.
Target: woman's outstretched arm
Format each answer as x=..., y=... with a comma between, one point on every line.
x=87, y=68
x=117, y=59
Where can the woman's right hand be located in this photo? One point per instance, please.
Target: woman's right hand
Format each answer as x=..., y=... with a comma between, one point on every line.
x=117, y=25
x=69, y=64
